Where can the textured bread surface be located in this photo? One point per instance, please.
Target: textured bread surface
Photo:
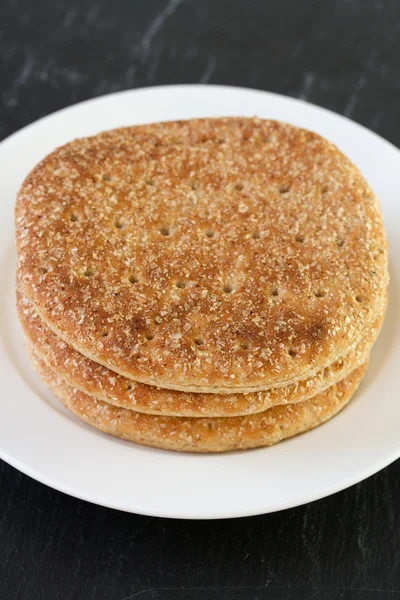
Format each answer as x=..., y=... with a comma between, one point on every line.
x=216, y=255
x=98, y=381
x=203, y=434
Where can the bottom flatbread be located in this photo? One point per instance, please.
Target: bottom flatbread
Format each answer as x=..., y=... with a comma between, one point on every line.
x=198, y=434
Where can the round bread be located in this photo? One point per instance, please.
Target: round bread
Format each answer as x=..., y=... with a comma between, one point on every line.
x=203, y=434
x=216, y=255
x=98, y=381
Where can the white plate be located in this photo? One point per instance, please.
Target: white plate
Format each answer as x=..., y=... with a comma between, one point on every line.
x=41, y=439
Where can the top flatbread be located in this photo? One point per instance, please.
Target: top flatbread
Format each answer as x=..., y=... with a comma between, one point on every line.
x=206, y=255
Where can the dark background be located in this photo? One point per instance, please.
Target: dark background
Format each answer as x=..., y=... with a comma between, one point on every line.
x=344, y=55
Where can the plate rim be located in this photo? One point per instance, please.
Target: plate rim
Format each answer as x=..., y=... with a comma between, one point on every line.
x=173, y=86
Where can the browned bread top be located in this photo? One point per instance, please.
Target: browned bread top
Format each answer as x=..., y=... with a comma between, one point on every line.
x=217, y=255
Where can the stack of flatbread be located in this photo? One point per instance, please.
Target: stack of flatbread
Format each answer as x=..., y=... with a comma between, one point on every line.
x=201, y=285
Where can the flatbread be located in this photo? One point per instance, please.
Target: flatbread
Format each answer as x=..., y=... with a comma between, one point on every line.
x=216, y=255
x=98, y=381
x=203, y=434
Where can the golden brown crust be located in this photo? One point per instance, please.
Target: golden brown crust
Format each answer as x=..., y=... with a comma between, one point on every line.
x=207, y=255
x=203, y=434
x=98, y=381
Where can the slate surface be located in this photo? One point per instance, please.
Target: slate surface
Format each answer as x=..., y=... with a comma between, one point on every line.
x=341, y=54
